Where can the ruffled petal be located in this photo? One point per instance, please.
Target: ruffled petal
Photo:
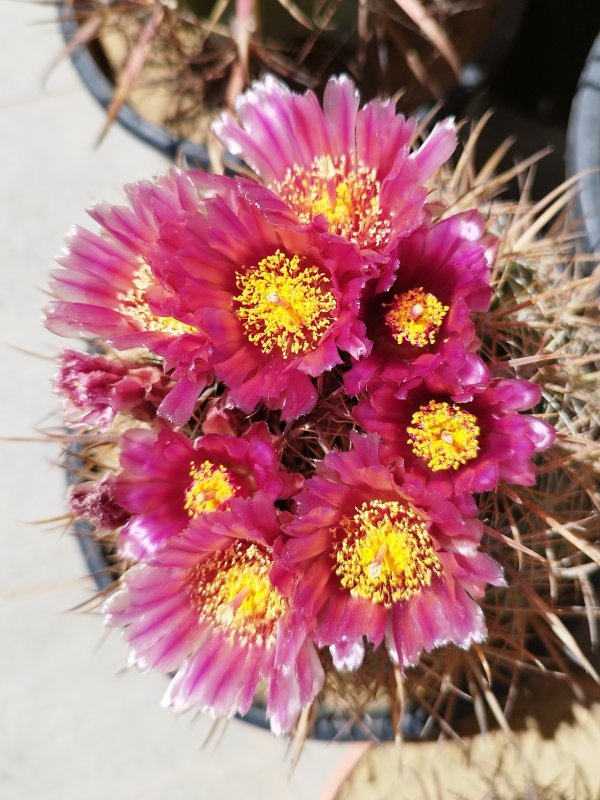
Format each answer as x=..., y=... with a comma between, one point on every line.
x=345, y=170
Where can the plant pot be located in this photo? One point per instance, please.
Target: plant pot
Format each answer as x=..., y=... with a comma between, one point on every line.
x=450, y=668
x=583, y=150
x=482, y=41
x=86, y=61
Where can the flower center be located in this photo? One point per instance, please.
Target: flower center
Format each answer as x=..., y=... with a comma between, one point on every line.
x=415, y=317
x=347, y=195
x=444, y=435
x=134, y=304
x=384, y=552
x=211, y=487
x=232, y=591
x=284, y=304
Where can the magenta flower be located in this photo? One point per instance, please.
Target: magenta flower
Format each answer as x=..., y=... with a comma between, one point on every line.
x=276, y=301
x=418, y=315
x=107, y=288
x=206, y=608
x=461, y=446
x=384, y=558
x=98, y=388
x=167, y=480
x=96, y=502
x=350, y=170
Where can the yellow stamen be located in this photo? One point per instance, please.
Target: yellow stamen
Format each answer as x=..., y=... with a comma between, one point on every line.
x=346, y=194
x=415, y=317
x=284, y=304
x=384, y=553
x=134, y=304
x=211, y=487
x=444, y=435
x=231, y=590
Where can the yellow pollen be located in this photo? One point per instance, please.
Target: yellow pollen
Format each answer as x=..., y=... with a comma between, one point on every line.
x=415, y=317
x=347, y=194
x=134, y=304
x=340, y=210
x=444, y=435
x=232, y=591
x=284, y=304
x=211, y=487
x=384, y=553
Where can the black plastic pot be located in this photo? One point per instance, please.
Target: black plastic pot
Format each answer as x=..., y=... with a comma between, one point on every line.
x=474, y=76
x=83, y=531
x=100, y=87
x=583, y=149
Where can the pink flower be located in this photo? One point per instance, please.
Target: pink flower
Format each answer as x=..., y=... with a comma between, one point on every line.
x=97, y=388
x=461, y=446
x=206, y=608
x=107, y=288
x=95, y=501
x=350, y=170
x=276, y=301
x=383, y=558
x=418, y=315
x=167, y=480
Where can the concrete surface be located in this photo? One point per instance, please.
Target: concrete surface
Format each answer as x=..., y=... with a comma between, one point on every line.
x=73, y=722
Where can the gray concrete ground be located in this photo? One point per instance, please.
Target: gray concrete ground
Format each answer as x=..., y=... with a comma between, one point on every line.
x=73, y=722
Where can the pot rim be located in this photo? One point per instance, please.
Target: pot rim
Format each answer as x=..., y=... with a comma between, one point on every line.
x=102, y=90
